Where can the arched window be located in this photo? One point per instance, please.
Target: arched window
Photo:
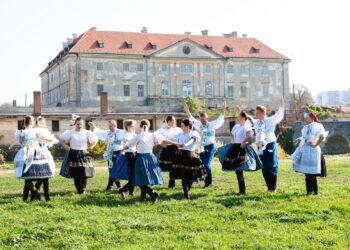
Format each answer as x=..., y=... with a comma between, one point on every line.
x=208, y=89
x=186, y=88
x=165, y=90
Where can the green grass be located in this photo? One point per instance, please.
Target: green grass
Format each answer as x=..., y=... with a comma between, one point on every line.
x=214, y=218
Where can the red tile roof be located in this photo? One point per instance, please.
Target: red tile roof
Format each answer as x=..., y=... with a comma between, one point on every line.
x=115, y=42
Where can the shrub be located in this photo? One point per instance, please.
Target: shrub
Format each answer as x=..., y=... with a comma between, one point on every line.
x=194, y=103
x=99, y=149
x=285, y=140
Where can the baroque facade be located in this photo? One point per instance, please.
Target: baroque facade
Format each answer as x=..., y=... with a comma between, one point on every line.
x=141, y=71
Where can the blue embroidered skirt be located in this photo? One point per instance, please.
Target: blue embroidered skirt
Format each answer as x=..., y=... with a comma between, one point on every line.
x=120, y=168
x=252, y=161
x=147, y=171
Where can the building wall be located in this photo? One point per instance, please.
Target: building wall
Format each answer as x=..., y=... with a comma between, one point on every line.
x=75, y=81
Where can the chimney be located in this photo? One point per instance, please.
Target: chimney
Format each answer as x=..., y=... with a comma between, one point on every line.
x=14, y=103
x=144, y=30
x=234, y=34
x=104, y=103
x=227, y=35
x=64, y=45
x=244, y=35
x=187, y=33
x=69, y=40
x=75, y=36
x=205, y=32
x=37, y=102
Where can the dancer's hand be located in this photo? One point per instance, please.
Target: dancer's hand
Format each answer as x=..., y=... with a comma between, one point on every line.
x=242, y=145
x=91, y=125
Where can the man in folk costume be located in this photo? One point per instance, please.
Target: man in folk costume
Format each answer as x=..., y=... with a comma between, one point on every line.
x=207, y=130
x=117, y=162
x=265, y=140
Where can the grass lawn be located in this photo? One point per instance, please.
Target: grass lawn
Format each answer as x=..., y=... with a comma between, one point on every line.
x=214, y=219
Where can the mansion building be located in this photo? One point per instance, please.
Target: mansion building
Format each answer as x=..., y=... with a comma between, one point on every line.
x=148, y=71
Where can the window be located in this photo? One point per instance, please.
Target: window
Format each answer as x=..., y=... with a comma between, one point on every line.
x=100, y=44
x=140, y=90
x=232, y=124
x=151, y=124
x=207, y=68
x=244, y=69
x=243, y=91
x=55, y=125
x=99, y=72
x=126, y=90
x=139, y=67
x=99, y=66
x=164, y=68
x=126, y=67
x=208, y=89
x=99, y=89
x=229, y=49
x=230, y=69
x=186, y=88
x=186, y=68
x=128, y=45
x=231, y=91
x=153, y=46
x=178, y=123
x=20, y=124
x=120, y=124
x=165, y=88
x=265, y=90
x=264, y=70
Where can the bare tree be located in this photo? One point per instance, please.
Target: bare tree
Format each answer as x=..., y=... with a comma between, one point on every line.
x=300, y=97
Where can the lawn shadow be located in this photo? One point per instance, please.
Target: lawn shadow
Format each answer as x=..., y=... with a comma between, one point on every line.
x=237, y=200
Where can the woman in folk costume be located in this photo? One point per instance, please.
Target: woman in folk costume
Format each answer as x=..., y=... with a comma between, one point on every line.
x=130, y=153
x=207, y=129
x=240, y=155
x=31, y=163
x=307, y=157
x=43, y=149
x=265, y=140
x=79, y=163
x=117, y=162
x=169, y=131
x=147, y=171
x=187, y=165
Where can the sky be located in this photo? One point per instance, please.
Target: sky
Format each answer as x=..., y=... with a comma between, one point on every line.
x=314, y=34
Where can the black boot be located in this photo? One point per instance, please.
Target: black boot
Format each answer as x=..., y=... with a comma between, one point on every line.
x=208, y=182
x=155, y=197
x=308, y=186
x=131, y=191
x=267, y=181
x=143, y=194
x=241, y=186
x=83, y=183
x=273, y=183
x=35, y=196
x=77, y=185
x=110, y=184
x=38, y=184
x=315, y=186
x=171, y=183
x=117, y=183
x=46, y=190
x=185, y=189
x=25, y=193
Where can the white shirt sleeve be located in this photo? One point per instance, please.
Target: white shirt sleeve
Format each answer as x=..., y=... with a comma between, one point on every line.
x=218, y=122
x=278, y=117
x=195, y=122
x=101, y=134
x=196, y=136
x=91, y=137
x=66, y=136
x=158, y=138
